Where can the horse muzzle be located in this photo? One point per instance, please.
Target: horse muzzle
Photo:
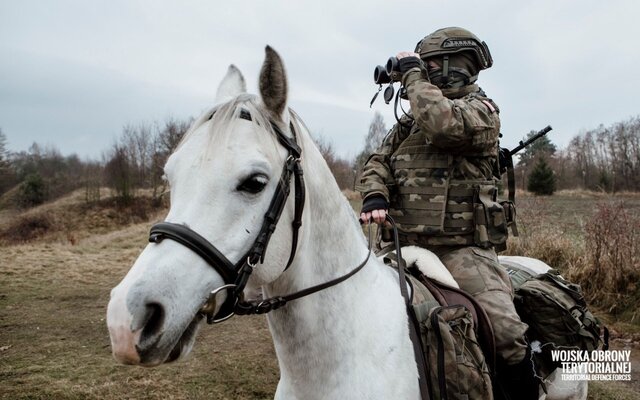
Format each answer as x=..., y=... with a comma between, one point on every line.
x=123, y=339
x=141, y=336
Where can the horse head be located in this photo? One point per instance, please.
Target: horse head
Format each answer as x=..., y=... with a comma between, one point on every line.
x=224, y=177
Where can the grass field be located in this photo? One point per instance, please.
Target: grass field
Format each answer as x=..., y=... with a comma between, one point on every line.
x=54, y=342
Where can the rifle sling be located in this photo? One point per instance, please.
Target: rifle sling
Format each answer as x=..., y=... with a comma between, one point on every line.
x=511, y=178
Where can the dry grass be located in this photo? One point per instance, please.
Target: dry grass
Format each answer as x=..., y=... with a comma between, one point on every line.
x=543, y=236
x=609, y=268
x=54, y=342
x=53, y=295
x=611, y=391
x=70, y=218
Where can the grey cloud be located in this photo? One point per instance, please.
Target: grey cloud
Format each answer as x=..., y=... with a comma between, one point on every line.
x=82, y=70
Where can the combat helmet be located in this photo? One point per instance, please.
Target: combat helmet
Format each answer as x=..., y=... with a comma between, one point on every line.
x=460, y=52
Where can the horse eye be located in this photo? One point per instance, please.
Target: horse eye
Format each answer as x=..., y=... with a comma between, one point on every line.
x=253, y=184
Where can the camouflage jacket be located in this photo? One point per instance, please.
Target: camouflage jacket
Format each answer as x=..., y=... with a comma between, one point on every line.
x=432, y=170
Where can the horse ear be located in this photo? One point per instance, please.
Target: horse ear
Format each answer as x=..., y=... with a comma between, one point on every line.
x=273, y=83
x=232, y=85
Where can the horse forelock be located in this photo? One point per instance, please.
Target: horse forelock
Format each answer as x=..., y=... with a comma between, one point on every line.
x=223, y=118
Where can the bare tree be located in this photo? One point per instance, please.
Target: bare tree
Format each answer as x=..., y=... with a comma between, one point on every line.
x=119, y=173
x=7, y=178
x=164, y=143
x=341, y=169
x=171, y=134
x=375, y=136
x=604, y=158
x=137, y=142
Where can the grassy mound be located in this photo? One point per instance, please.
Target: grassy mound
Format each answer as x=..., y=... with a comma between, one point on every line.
x=71, y=218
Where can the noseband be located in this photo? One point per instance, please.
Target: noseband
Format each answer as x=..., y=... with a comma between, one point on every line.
x=235, y=276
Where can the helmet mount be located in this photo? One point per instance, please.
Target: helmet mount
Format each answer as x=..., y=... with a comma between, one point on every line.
x=459, y=51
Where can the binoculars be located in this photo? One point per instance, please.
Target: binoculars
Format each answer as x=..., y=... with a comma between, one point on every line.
x=387, y=74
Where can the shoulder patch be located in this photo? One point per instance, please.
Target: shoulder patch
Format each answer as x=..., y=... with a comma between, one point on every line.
x=489, y=105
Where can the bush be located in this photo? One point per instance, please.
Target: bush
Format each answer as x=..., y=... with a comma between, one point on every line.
x=33, y=191
x=542, y=180
x=609, y=269
x=27, y=228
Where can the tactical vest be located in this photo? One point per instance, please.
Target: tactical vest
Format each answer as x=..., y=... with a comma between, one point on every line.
x=433, y=209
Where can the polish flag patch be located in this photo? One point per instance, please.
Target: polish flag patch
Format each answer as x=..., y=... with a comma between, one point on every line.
x=489, y=106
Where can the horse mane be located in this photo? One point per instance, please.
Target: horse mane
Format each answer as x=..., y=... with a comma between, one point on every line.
x=225, y=115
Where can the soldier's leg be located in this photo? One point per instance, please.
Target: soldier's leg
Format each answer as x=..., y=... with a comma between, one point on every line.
x=478, y=272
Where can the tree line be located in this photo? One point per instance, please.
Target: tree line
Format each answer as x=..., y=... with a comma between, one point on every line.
x=134, y=162
x=606, y=158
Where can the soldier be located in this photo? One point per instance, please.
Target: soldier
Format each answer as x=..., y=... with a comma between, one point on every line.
x=435, y=174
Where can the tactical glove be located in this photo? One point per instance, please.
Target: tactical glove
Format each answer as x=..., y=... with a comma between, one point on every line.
x=375, y=202
x=406, y=63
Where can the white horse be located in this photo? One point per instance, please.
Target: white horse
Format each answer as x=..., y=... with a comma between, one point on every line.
x=349, y=341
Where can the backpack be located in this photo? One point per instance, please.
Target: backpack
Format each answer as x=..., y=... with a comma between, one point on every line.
x=457, y=365
x=556, y=312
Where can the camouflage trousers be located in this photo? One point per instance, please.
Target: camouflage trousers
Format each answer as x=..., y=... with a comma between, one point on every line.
x=478, y=272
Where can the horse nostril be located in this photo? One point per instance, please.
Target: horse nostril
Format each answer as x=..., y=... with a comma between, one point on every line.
x=154, y=320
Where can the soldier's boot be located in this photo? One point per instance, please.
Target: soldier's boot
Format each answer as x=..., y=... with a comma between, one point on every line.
x=519, y=381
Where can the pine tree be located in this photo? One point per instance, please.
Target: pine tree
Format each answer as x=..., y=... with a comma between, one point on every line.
x=33, y=191
x=540, y=148
x=542, y=180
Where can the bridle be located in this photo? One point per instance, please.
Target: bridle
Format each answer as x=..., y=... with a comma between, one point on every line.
x=235, y=276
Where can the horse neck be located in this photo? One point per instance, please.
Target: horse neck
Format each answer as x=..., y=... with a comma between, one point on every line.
x=355, y=332
x=331, y=240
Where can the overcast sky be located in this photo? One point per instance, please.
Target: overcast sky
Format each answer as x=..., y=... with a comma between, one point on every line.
x=73, y=73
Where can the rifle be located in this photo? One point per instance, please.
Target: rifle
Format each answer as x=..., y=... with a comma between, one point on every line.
x=505, y=160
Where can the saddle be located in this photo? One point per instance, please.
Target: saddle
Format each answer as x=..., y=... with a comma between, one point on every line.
x=450, y=296
x=452, y=334
x=425, y=289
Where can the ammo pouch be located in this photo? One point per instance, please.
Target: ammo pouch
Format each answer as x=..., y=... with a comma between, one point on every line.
x=457, y=344
x=510, y=215
x=453, y=213
x=458, y=368
x=492, y=218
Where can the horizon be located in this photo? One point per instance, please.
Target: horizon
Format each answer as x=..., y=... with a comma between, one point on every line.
x=75, y=74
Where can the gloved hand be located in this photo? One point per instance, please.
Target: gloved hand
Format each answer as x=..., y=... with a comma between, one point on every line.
x=374, y=207
x=407, y=60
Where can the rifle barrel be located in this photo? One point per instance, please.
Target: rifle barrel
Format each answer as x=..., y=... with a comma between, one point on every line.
x=533, y=138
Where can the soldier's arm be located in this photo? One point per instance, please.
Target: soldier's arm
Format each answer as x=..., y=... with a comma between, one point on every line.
x=461, y=124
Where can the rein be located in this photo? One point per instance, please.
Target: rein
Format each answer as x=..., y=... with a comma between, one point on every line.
x=273, y=303
x=414, y=330
x=235, y=276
